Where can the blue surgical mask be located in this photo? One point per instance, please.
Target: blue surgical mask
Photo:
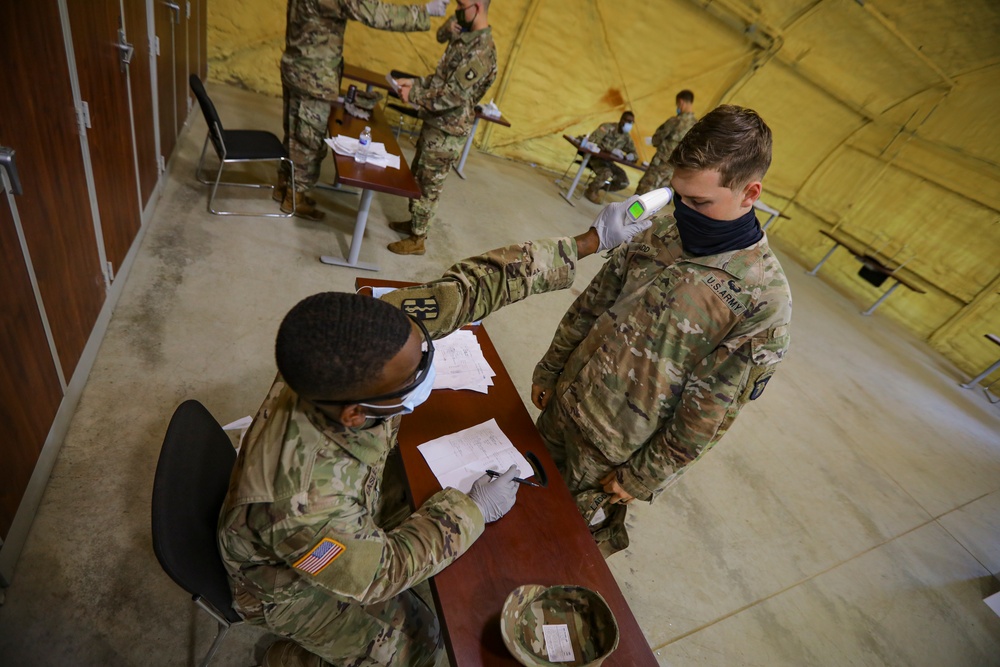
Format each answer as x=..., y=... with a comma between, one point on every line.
x=678, y=111
x=410, y=401
x=626, y=128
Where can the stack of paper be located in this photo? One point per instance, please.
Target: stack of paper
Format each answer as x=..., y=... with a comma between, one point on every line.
x=377, y=155
x=459, y=363
x=459, y=459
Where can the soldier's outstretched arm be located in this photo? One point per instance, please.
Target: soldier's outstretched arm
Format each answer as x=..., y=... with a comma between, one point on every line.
x=383, y=15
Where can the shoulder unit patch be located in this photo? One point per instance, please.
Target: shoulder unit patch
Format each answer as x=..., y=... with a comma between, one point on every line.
x=423, y=308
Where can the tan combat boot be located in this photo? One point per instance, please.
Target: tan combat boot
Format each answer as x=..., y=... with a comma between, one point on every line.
x=281, y=189
x=593, y=195
x=404, y=227
x=305, y=208
x=284, y=653
x=412, y=245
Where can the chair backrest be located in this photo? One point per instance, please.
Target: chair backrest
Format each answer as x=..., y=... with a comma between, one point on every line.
x=192, y=477
x=211, y=115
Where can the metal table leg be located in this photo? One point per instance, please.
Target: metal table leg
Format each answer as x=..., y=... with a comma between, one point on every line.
x=982, y=376
x=468, y=145
x=815, y=269
x=769, y=221
x=359, y=234
x=576, y=179
x=881, y=299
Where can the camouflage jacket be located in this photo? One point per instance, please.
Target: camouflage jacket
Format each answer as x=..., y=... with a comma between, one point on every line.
x=447, y=98
x=608, y=137
x=314, y=38
x=301, y=516
x=659, y=354
x=444, y=33
x=669, y=134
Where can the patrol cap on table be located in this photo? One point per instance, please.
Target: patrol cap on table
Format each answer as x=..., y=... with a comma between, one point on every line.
x=591, y=626
x=366, y=99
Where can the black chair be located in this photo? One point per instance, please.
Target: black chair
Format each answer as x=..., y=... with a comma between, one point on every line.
x=237, y=146
x=192, y=477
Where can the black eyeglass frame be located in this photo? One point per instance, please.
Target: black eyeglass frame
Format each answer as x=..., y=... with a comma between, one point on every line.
x=423, y=368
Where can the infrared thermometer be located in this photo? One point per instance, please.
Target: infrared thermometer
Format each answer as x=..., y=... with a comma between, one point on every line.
x=648, y=205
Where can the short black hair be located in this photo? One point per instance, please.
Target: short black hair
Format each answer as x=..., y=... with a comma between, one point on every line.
x=686, y=95
x=333, y=345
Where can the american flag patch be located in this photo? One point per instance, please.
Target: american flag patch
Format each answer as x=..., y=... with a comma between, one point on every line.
x=321, y=555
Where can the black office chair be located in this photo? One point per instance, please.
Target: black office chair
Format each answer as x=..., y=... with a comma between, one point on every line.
x=237, y=146
x=192, y=477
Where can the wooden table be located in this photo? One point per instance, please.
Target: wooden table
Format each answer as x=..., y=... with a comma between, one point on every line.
x=586, y=158
x=472, y=133
x=542, y=540
x=367, y=177
x=875, y=261
x=370, y=78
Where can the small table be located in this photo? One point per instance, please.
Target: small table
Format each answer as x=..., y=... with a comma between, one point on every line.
x=472, y=133
x=367, y=177
x=583, y=165
x=370, y=78
x=542, y=540
x=993, y=338
x=773, y=213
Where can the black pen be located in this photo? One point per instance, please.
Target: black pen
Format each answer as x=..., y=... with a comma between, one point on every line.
x=494, y=474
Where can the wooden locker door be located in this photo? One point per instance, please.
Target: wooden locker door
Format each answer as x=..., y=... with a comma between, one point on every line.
x=165, y=17
x=141, y=80
x=182, y=55
x=94, y=25
x=39, y=122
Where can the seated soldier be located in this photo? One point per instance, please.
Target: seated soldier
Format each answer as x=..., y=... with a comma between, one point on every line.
x=611, y=138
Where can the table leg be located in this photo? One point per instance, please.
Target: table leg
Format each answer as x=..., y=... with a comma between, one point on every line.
x=465, y=151
x=982, y=376
x=881, y=299
x=769, y=221
x=576, y=179
x=825, y=257
x=359, y=235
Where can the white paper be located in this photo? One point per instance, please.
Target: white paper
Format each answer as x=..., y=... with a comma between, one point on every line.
x=459, y=459
x=558, y=646
x=378, y=292
x=993, y=602
x=459, y=363
x=377, y=155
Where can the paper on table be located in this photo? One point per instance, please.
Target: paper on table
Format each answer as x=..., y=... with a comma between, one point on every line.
x=459, y=363
x=459, y=459
x=377, y=155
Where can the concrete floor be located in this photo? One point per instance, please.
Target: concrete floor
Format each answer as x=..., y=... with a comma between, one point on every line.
x=850, y=517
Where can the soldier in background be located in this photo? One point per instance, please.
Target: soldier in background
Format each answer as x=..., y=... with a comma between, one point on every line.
x=446, y=101
x=665, y=139
x=315, y=533
x=675, y=334
x=310, y=79
x=611, y=138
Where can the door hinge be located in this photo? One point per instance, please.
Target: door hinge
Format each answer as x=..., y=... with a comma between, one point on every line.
x=83, y=116
x=111, y=272
x=156, y=45
x=161, y=164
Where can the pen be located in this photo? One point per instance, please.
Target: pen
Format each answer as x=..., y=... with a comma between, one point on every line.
x=494, y=474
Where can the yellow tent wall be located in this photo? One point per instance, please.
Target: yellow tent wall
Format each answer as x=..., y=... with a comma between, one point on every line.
x=886, y=117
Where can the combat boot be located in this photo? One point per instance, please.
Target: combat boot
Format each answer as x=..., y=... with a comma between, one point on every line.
x=281, y=189
x=284, y=653
x=404, y=227
x=305, y=208
x=593, y=195
x=411, y=245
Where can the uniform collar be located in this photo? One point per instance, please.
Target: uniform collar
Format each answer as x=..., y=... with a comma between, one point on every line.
x=736, y=262
x=367, y=445
x=469, y=37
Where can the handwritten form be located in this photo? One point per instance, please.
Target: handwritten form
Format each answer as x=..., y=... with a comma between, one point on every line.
x=459, y=459
x=459, y=363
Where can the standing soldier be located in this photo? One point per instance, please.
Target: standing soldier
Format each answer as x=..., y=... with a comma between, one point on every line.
x=665, y=139
x=446, y=101
x=310, y=79
x=611, y=138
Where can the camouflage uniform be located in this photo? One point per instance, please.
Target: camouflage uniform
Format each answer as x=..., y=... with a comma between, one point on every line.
x=609, y=137
x=446, y=101
x=652, y=363
x=311, y=531
x=445, y=33
x=312, y=63
x=665, y=139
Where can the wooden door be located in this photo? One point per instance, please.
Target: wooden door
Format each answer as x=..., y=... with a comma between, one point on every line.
x=141, y=84
x=203, y=40
x=182, y=43
x=38, y=120
x=95, y=26
x=165, y=18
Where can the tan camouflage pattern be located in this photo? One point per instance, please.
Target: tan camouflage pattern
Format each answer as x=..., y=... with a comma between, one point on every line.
x=301, y=479
x=314, y=38
x=592, y=626
x=607, y=176
x=445, y=33
x=437, y=152
x=607, y=173
x=665, y=139
x=305, y=122
x=657, y=357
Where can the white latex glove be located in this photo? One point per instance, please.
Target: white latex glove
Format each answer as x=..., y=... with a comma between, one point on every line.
x=649, y=141
x=630, y=157
x=612, y=226
x=495, y=497
x=617, y=152
x=437, y=7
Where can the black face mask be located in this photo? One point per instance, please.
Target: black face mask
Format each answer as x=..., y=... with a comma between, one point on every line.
x=702, y=236
x=466, y=26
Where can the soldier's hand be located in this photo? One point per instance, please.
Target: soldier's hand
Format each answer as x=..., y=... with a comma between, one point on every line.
x=405, y=85
x=617, y=152
x=437, y=7
x=612, y=487
x=456, y=29
x=540, y=397
x=495, y=497
x=614, y=228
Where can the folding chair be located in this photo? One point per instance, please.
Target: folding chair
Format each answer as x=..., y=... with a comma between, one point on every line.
x=234, y=146
x=192, y=477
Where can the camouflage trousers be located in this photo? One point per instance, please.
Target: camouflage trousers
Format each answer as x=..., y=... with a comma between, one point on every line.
x=582, y=466
x=437, y=152
x=305, y=123
x=606, y=172
x=657, y=176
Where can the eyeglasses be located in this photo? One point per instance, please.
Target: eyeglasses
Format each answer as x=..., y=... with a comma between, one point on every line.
x=423, y=368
